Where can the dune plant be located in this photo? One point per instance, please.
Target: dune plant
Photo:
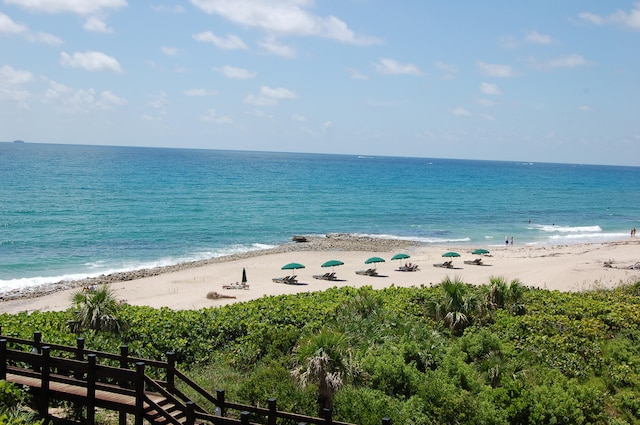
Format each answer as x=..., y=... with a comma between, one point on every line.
x=97, y=309
x=323, y=359
x=455, y=305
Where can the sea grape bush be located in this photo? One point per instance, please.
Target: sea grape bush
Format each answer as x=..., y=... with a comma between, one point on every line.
x=562, y=358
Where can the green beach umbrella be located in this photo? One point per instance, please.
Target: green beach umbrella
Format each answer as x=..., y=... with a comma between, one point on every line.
x=292, y=266
x=332, y=263
x=400, y=256
x=374, y=260
x=480, y=251
x=450, y=254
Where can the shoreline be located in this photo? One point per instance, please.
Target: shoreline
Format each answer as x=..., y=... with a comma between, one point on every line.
x=576, y=267
x=334, y=241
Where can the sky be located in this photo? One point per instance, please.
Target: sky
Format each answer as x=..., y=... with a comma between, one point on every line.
x=539, y=81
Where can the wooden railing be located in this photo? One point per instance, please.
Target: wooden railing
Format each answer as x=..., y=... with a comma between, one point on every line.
x=122, y=383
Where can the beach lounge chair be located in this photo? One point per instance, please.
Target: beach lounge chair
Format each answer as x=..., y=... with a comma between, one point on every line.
x=291, y=279
x=322, y=276
x=368, y=272
x=476, y=262
x=408, y=268
x=281, y=279
x=446, y=265
x=331, y=276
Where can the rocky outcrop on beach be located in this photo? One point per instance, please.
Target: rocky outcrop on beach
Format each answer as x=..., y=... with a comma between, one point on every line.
x=330, y=242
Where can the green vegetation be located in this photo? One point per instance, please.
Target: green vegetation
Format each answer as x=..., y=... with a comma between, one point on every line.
x=96, y=309
x=12, y=411
x=452, y=353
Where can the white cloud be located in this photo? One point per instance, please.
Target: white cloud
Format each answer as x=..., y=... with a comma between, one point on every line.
x=158, y=103
x=94, y=24
x=42, y=37
x=270, y=96
x=495, y=70
x=12, y=83
x=277, y=93
x=237, y=73
x=69, y=100
x=448, y=69
x=107, y=98
x=212, y=116
x=569, y=61
x=508, y=42
x=290, y=17
x=230, y=42
x=273, y=47
x=12, y=76
x=80, y=7
x=357, y=75
x=257, y=100
x=9, y=26
x=199, y=92
x=170, y=51
x=536, y=38
x=491, y=89
x=393, y=67
x=629, y=20
x=461, y=112
x=299, y=118
x=91, y=61
x=485, y=102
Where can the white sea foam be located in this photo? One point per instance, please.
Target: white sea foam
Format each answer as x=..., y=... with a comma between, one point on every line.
x=568, y=229
x=98, y=268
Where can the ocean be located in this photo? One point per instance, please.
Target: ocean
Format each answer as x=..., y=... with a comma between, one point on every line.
x=70, y=212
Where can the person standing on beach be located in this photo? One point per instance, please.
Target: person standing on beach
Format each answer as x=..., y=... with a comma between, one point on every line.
x=506, y=241
x=511, y=240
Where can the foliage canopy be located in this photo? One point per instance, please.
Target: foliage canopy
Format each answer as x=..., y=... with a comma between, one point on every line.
x=519, y=355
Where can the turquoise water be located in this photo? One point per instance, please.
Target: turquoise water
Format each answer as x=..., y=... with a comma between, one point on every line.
x=68, y=212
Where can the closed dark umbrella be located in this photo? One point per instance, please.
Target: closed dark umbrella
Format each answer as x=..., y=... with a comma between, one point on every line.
x=244, y=275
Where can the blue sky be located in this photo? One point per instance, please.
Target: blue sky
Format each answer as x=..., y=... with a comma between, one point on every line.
x=554, y=81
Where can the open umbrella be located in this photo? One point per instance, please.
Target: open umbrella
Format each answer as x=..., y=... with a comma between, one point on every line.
x=332, y=263
x=450, y=254
x=400, y=257
x=244, y=275
x=480, y=251
x=292, y=266
x=373, y=260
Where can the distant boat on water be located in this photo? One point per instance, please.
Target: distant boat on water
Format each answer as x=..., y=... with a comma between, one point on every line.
x=18, y=141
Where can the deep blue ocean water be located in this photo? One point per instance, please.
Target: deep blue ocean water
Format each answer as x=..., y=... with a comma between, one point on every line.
x=69, y=211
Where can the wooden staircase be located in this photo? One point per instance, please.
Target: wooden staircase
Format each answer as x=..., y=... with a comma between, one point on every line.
x=89, y=378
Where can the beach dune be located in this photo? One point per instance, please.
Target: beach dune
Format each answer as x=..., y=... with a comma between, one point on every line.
x=565, y=268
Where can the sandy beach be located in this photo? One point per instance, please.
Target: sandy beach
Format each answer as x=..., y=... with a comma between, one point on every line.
x=566, y=268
